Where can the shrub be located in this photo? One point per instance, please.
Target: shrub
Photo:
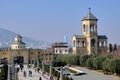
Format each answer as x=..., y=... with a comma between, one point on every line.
x=97, y=62
x=83, y=59
x=89, y=63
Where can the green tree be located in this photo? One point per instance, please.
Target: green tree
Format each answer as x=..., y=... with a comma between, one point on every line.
x=89, y=63
x=110, y=48
x=115, y=66
x=97, y=62
x=83, y=59
x=106, y=64
x=115, y=47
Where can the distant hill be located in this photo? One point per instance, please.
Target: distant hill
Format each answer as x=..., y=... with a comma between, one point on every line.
x=7, y=38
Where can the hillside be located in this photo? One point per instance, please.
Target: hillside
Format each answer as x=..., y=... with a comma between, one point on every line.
x=7, y=38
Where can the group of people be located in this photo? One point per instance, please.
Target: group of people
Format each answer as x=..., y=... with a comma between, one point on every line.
x=25, y=73
x=20, y=67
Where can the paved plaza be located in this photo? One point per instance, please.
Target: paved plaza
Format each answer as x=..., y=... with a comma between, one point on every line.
x=35, y=74
x=90, y=75
x=93, y=75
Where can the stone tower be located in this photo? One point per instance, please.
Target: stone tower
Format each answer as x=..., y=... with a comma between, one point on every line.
x=89, y=30
x=89, y=42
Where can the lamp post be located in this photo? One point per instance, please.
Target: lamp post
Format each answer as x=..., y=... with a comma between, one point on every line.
x=42, y=67
x=61, y=73
x=13, y=69
x=37, y=63
x=51, y=77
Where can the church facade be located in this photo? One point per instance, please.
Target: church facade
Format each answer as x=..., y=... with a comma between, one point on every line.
x=89, y=42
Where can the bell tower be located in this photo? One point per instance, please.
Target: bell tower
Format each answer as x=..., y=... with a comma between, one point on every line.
x=89, y=30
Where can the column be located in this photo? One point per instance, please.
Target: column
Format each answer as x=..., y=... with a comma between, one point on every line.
x=42, y=67
x=106, y=43
x=34, y=63
x=38, y=63
x=61, y=74
x=51, y=77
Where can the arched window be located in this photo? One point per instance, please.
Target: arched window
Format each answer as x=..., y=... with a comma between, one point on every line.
x=84, y=27
x=93, y=42
x=83, y=43
x=78, y=43
x=95, y=28
x=98, y=44
x=92, y=27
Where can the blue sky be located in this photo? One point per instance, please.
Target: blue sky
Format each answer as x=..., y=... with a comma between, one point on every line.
x=50, y=20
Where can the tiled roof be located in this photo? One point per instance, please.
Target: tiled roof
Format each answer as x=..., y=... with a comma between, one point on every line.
x=89, y=16
x=102, y=37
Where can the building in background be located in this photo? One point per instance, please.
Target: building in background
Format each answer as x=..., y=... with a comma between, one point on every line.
x=18, y=53
x=89, y=42
x=18, y=44
x=60, y=48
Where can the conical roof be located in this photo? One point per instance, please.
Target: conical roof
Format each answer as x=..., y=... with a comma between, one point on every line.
x=89, y=16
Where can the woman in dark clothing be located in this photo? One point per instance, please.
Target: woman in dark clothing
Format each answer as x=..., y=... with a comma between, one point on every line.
x=40, y=78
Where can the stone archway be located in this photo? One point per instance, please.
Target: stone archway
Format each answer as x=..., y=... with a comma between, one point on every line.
x=19, y=59
x=4, y=60
x=93, y=42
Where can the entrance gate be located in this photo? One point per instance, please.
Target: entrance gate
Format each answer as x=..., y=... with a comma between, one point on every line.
x=19, y=59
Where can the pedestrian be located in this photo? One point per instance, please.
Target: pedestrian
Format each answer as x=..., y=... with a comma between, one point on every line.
x=21, y=67
x=38, y=70
x=17, y=69
x=24, y=74
x=31, y=73
x=40, y=78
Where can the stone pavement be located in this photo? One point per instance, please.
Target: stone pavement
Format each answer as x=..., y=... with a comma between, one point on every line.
x=35, y=74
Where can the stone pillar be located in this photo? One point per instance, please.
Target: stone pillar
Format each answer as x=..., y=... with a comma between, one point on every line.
x=13, y=69
x=61, y=74
x=42, y=67
x=37, y=63
x=34, y=63
x=51, y=77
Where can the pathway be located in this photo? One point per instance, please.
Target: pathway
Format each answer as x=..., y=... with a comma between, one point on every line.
x=93, y=75
x=35, y=74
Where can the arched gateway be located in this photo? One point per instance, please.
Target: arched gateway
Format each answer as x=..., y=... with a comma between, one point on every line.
x=19, y=59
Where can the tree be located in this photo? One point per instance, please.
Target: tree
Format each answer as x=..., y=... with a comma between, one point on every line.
x=83, y=59
x=106, y=64
x=97, y=62
x=115, y=66
x=115, y=47
x=110, y=47
x=89, y=63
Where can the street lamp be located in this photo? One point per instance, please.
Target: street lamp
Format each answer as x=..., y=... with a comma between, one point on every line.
x=13, y=71
x=61, y=73
x=51, y=77
x=42, y=67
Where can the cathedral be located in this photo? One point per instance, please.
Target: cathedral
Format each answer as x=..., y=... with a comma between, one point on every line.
x=89, y=42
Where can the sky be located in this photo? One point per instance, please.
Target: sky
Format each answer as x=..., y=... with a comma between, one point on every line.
x=51, y=20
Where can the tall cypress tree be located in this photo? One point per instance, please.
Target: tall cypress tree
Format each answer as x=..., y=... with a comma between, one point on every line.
x=110, y=47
